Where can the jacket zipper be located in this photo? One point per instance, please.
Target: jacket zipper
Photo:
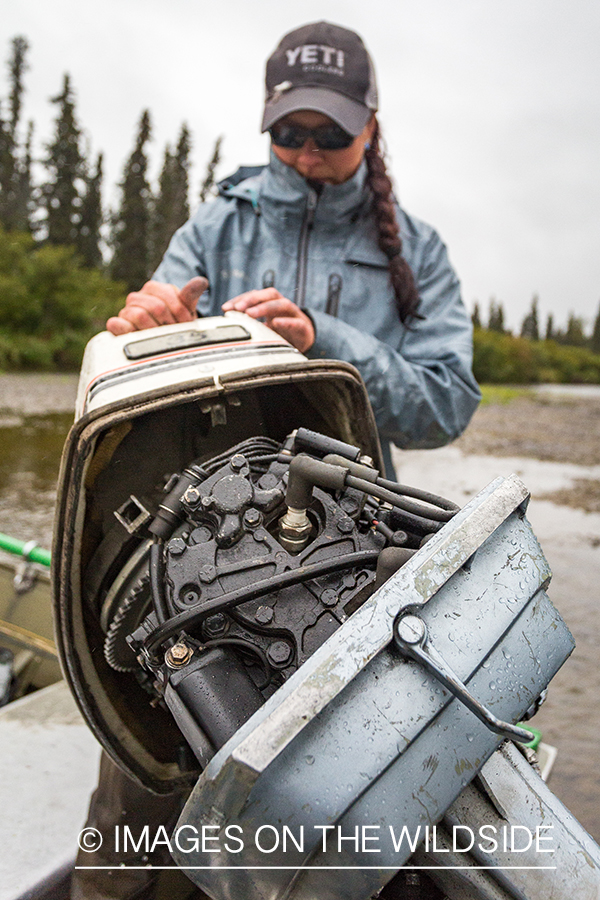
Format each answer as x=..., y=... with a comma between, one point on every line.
x=307, y=224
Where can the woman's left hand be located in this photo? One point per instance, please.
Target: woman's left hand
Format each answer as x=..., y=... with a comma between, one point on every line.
x=279, y=313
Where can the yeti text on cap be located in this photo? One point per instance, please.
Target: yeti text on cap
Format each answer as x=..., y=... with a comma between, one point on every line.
x=317, y=56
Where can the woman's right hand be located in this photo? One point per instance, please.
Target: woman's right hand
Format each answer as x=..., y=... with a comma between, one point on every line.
x=158, y=304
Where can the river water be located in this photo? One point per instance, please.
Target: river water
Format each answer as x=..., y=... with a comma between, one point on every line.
x=36, y=412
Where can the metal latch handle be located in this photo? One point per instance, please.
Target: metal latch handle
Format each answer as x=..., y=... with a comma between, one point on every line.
x=410, y=636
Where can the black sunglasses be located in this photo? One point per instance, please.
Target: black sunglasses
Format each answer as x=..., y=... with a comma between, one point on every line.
x=326, y=137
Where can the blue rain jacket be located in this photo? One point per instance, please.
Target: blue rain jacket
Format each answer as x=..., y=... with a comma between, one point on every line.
x=269, y=227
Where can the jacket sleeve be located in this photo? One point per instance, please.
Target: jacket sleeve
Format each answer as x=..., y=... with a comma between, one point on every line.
x=423, y=391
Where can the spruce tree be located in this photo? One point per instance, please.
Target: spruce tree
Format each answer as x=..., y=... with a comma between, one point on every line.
x=131, y=224
x=550, y=333
x=476, y=317
x=6, y=170
x=181, y=178
x=496, y=317
x=595, y=338
x=66, y=168
x=17, y=67
x=209, y=179
x=171, y=207
x=25, y=191
x=574, y=336
x=162, y=210
x=88, y=237
x=530, y=327
x=12, y=214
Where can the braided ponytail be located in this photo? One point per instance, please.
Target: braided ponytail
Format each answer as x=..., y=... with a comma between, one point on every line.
x=401, y=277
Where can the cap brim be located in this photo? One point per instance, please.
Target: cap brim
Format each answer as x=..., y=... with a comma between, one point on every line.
x=347, y=113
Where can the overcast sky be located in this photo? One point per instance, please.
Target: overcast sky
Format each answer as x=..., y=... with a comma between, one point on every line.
x=491, y=112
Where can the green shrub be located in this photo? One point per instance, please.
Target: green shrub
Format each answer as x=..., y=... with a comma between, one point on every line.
x=505, y=359
x=50, y=304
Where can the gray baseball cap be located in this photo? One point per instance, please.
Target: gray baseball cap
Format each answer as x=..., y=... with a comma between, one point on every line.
x=324, y=68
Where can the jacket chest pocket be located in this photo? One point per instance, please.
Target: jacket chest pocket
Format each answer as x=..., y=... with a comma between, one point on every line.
x=366, y=286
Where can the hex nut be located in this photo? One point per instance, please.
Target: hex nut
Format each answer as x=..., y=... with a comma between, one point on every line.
x=178, y=655
x=192, y=496
x=252, y=517
x=215, y=625
x=279, y=653
x=263, y=615
x=207, y=573
x=237, y=462
x=345, y=525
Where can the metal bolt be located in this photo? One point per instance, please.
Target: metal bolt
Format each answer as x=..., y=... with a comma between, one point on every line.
x=279, y=653
x=178, y=655
x=200, y=535
x=207, y=573
x=176, y=547
x=237, y=462
x=191, y=496
x=207, y=502
x=411, y=629
x=329, y=597
x=345, y=525
x=215, y=625
x=252, y=517
x=264, y=615
x=349, y=505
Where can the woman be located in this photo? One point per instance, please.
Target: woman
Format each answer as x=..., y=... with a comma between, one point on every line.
x=316, y=244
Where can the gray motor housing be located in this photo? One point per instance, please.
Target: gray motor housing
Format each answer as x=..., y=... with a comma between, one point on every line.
x=361, y=737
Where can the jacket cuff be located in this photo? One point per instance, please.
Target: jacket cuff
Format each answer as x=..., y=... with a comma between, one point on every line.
x=324, y=326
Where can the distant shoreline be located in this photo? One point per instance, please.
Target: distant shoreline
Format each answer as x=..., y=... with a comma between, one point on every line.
x=38, y=393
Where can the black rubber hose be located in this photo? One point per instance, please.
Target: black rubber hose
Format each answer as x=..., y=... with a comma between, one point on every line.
x=413, y=513
x=307, y=472
x=418, y=494
x=395, y=538
x=249, y=447
x=157, y=580
x=193, y=617
x=321, y=445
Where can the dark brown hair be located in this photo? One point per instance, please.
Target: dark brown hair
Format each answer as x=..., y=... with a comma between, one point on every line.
x=389, y=241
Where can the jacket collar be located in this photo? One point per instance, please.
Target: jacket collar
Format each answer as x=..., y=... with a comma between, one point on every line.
x=282, y=189
x=337, y=203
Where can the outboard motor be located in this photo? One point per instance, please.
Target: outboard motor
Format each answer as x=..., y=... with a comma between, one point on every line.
x=328, y=661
